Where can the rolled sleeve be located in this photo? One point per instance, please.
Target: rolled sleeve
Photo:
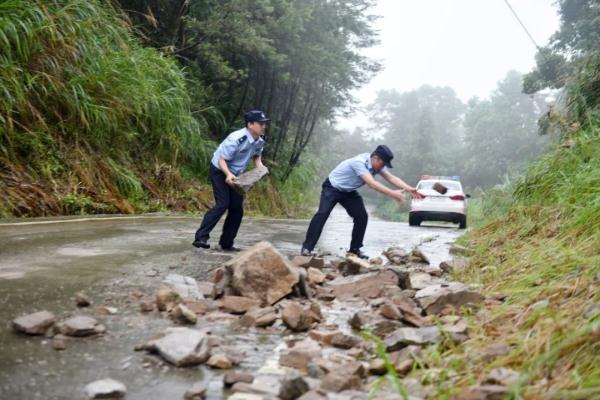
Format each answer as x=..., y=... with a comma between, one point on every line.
x=228, y=148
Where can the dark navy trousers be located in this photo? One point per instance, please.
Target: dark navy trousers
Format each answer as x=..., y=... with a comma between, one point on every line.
x=228, y=200
x=355, y=207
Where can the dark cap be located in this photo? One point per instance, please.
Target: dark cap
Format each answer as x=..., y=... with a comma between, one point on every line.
x=256, y=116
x=386, y=155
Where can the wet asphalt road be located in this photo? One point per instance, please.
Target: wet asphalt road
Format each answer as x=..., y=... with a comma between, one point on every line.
x=43, y=263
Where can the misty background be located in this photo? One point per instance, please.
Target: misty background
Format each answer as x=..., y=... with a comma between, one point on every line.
x=449, y=97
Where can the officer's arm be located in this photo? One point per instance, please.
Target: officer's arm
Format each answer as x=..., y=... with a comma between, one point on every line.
x=373, y=184
x=258, y=161
x=399, y=183
x=229, y=177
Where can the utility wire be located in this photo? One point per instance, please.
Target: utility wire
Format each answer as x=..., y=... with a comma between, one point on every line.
x=522, y=24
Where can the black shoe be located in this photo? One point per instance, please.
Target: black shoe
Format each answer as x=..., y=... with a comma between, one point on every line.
x=231, y=248
x=201, y=244
x=359, y=253
x=306, y=252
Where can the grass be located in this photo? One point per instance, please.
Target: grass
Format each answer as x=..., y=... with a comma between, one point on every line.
x=545, y=257
x=93, y=122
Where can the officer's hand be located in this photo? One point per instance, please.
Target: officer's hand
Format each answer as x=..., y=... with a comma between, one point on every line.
x=416, y=195
x=230, y=179
x=398, y=195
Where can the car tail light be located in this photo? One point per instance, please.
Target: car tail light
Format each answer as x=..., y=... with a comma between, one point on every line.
x=458, y=197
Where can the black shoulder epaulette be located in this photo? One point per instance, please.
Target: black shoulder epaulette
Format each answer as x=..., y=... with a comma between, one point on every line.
x=242, y=139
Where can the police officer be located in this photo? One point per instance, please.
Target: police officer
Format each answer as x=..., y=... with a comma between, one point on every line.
x=230, y=160
x=340, y=187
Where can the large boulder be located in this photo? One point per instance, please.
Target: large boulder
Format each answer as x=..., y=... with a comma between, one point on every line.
x=34, y=324
x=181, y=347
x=262, y=273
x=433, y=299
x=368, y=285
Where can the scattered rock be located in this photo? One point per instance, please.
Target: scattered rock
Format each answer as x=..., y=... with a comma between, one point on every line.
x=396, y=255
x=184, y=315
x=484, y=392
x=201, y=307
x=296, y=317
x=322, y=336
x=105, y=388
x=459, y=250
x=106, y=310
x=167, y=298
x=181, y=347
x=343, y=341
x=368, y=285
x=406, y=336
x=502, y=376
x=292, y=386
x=434, y=298
x=219, y=361
x=358, y=264
x=232, y=377
x=80, y=326
x=377, y=367
x=206, y=288
x=421, y=280
x=434, y=271
x=59, y=342
x=300, y=355
x=315, y=276
x=146, y=306
x=376, y=261
x=417, y=256
x=245, y=181
x=380, y=327
x=308, y=262
x=312, y=395
x=390, y=311
x=456, y=264
x=259, y=317
x=196, y=392
x=346, y=376
x=496, y=350
x=238, y=304
x=262, y=273
x=34, y=324
x=185, y=286
x=82, y=300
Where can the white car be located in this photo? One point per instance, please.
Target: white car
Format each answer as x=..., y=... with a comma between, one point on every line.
x=449, y=207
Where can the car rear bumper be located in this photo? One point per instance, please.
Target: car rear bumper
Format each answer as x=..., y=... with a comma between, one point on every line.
x=438, y=216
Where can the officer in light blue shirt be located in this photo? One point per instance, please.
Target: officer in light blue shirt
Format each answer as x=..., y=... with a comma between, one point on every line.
x=230, y=160
x=340, y=187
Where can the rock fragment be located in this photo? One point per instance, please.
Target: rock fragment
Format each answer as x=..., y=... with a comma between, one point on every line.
x=34, y=324
x=105, y=388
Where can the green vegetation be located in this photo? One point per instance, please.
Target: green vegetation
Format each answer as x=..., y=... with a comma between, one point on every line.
x=98, y=117
x=541, y=250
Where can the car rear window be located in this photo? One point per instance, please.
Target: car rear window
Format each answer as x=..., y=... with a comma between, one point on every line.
x=429, y=185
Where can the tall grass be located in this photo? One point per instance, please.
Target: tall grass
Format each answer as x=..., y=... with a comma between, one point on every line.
x=74, y=83
x=543, y=255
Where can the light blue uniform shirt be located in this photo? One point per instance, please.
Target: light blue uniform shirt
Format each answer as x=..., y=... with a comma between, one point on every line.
x=346, y=177
x=237, y=149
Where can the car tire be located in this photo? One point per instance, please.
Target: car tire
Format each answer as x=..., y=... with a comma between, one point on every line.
x=462, y=222
x=413, y=220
